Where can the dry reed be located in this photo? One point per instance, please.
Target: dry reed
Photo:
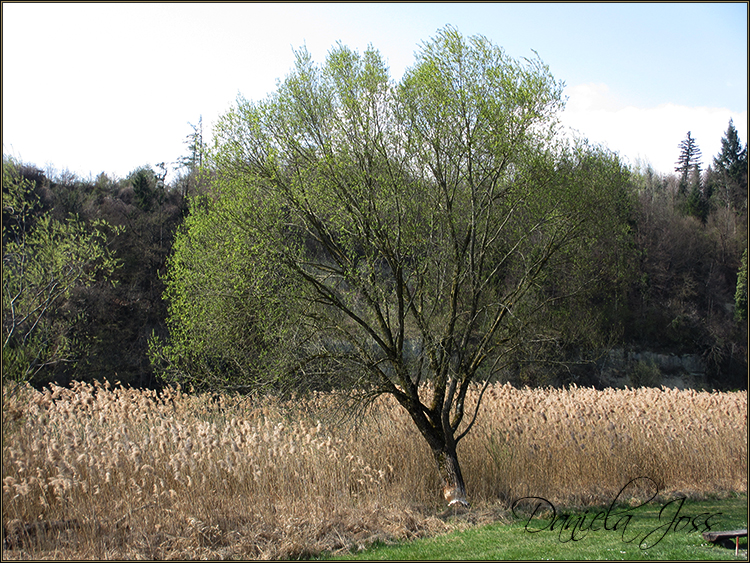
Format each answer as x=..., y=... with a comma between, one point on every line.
x=100, y=472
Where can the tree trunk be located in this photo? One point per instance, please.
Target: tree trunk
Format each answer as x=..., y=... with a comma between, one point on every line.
x=443, y=446
x=454, y=490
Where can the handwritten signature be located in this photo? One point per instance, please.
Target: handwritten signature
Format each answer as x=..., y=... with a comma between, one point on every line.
x=575, y=527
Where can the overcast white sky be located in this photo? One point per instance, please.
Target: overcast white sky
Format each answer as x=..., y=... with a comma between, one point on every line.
x=110, y=87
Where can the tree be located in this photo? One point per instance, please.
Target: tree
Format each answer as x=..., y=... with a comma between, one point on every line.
x=194, y=141
x=389, y=239
x=189, y=179
x=44, y=261
x=691, y=186
x=148, y=187
x=689, y=161
x=697, y=203
x=731, y=164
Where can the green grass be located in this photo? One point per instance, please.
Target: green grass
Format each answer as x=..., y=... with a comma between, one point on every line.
x=675, y=538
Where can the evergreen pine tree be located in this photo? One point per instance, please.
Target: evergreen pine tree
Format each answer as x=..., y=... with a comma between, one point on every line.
x=697, y=203
x=690, y=156
x=690, y=185
x=731, y=166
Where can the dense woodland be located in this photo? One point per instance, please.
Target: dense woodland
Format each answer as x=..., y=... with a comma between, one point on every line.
x=682, y=290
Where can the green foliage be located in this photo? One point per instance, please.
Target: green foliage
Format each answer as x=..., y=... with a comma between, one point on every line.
x=682, y=298
x=114, y=319
x=148, y=193
x=697, y=202
x=378, y=188
x=645, y=374
x=694, y=193
x=216, y=290
x=731, y=163
x=44, y=261
x=372, y=234
x=740, y=296
x=689, y=160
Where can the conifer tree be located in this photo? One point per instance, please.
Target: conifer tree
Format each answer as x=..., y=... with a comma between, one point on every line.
x=690, y=156
x=731, y=165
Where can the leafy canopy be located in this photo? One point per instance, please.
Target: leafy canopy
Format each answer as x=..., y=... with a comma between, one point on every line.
x=361, y=232
x=372, y=237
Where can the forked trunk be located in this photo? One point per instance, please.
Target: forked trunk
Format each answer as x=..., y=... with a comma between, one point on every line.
x=443, y=447
x=454, y=490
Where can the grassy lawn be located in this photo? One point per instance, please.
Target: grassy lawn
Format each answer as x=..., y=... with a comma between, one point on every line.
x=674, y=535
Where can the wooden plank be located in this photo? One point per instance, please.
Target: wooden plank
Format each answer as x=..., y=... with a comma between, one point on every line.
x=715, y=536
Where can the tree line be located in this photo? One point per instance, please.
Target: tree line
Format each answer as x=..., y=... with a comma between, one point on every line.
x=85, y=262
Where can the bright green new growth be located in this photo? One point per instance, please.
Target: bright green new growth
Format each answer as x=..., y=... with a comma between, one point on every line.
x=44, y=261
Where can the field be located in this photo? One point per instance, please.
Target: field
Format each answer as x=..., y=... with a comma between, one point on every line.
x=95, y=472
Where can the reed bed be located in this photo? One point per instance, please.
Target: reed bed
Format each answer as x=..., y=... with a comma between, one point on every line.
x=101, y=472
x=580, y=446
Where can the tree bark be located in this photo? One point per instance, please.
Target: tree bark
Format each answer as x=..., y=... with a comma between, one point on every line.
x=452, y=481
x=438, y=433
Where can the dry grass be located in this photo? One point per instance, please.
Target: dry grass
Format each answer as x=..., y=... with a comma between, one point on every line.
x=580, y=446
x=94, y=472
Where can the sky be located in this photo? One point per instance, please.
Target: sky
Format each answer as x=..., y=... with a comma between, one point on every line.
x=111, y=87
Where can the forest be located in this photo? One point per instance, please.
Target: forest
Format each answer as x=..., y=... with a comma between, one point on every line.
x=86, y=275
x=686, y=290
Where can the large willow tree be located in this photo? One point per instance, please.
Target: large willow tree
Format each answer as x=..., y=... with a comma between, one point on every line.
x=386, y=238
